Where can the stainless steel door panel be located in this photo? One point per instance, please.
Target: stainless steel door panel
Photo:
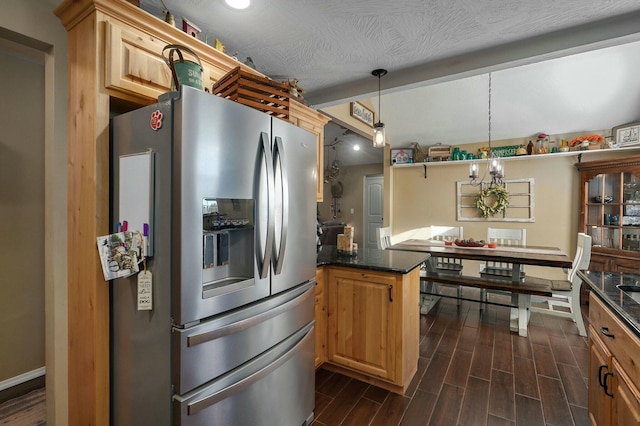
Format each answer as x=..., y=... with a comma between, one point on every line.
x=296, y=154
x=204, y=352
x=217, y=154
x=274, y=389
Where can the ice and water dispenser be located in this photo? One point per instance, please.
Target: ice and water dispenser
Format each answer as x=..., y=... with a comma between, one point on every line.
x=227, y=243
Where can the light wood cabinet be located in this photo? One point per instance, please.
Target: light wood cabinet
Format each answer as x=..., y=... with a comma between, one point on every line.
x=320, y=317
x=114, y=55
x=314, y=122
x=373, y=325
x=610, y=212
x=614, y=398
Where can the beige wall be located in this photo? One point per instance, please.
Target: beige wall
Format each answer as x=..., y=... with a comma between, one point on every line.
x=419, y=202
x=352, y=178
x=21, y=213
x=33, y=23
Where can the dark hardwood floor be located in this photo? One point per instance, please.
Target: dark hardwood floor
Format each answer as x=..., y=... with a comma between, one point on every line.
x=473, y=371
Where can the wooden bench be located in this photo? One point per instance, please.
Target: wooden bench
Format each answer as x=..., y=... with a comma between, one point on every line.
x=527, y=287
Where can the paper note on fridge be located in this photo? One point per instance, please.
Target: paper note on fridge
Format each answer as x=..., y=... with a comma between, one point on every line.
x=120, y=254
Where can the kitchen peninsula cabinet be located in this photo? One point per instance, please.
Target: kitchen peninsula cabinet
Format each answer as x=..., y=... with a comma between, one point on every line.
x=373, y=315
x=373, y=325
x=114, y=65
x=320, y=316
x=614, y=372
x=610, y=212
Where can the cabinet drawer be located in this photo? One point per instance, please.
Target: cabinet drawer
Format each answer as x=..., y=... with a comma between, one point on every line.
x=624, y=346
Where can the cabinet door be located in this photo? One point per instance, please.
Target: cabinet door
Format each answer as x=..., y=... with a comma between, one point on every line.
x=311, y=120
x=599, y=365
x=626, y=408
x=361, y=322
x=321, y=318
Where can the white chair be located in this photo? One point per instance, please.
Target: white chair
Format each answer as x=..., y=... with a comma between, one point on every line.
x=384, y=237
x=443, y=264
x=501, y=270
x=503, y=237
x=566, y=294
x=446, y=264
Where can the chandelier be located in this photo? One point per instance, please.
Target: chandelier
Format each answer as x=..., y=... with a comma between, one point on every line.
x=495, y=164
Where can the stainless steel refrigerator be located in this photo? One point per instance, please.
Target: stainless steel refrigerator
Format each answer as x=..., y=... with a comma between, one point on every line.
x=230, y=222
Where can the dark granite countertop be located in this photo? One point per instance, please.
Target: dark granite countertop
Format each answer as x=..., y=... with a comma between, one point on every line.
x=373, y=259
x=623, y=304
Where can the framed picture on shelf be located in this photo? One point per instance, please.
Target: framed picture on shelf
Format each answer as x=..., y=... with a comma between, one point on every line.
x=627, y=134
x=402, y=156
x=362, y=113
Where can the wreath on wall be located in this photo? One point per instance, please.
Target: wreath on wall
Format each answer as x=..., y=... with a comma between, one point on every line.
x=492, y=200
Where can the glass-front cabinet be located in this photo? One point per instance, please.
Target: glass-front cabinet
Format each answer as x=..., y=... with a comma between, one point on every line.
x=610, y=212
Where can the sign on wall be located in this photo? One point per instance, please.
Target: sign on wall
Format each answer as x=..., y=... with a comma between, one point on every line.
x=362, y=113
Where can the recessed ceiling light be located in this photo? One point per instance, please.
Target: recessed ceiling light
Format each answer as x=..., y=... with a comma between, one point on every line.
x=238, y=4
x=356, y=147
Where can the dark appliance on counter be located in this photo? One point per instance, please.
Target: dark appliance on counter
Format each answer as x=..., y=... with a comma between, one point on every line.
x=230, y=338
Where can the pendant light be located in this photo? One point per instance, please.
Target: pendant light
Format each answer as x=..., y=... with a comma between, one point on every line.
x=495, y=164
x=378, y=128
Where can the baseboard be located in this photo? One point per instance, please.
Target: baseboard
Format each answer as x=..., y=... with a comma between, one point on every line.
x=22, y=384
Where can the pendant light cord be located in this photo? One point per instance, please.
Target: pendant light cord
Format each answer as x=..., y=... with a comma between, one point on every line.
x=379, y=110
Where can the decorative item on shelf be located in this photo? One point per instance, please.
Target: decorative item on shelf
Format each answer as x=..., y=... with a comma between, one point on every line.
x=585, y=142
x=530, y=148
x=249, y=62
x=168, y=17
x=183, y=71
x=439, y=152
x=483, y=153
x=256, y=91
x=190, y=28
x=627, y=134
x=542, y=144
x=217, y=44
x=378, y=128
x=564, y=147
x=495, y=165
x=492, y=200
x=295, y=90
x=521, y=150
x=402, y=156
x=420, y=155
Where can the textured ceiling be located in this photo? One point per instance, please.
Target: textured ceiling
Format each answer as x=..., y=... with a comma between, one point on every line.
x=331, y=46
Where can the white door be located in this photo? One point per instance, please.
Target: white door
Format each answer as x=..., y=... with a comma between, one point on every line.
x=373, y=208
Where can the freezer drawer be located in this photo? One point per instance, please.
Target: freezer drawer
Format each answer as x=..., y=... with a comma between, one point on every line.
x=205, y=351
x=273, y=389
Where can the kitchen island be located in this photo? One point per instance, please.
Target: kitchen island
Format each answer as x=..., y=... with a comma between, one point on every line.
x=614, y=347
x=370, y=304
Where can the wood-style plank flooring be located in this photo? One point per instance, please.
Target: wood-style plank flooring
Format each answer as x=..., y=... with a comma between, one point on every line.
x=473, y=371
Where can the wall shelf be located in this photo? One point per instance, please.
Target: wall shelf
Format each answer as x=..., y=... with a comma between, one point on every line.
x=629, y=150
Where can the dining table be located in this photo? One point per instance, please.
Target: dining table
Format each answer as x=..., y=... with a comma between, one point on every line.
x=552, y=257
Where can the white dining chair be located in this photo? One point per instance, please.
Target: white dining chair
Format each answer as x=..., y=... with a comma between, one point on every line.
x=565, y=299
x=501, y=270
x=443, y=264
x=384, y=237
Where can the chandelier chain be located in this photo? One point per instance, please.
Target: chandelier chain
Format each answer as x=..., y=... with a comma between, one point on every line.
x=489, y=112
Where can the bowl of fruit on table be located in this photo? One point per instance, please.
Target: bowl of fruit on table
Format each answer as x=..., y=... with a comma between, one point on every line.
x=469, y=243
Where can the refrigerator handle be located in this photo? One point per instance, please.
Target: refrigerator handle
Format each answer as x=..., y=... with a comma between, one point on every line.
x=264, y=262
x=280, y=156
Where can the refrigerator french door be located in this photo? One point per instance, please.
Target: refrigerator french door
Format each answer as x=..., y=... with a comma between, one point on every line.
x=233, y=231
